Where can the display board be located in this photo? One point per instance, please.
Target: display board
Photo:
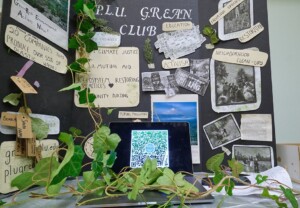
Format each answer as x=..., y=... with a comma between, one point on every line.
x=229, y=97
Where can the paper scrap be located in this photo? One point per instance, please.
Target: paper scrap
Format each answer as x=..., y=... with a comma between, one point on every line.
x=107, y=39
x=225, y=10
x=243, y=57
x=251, y=33
x=8, y=119
x=173, y=26
x=227, y=151
x=33, y=48
x=114, y=77
x=176, y=63
x=24, y=129
x=132, y=114
x=256, y=127
x=23, y=85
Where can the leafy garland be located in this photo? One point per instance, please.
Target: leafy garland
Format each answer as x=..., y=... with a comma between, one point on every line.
x=101, y=180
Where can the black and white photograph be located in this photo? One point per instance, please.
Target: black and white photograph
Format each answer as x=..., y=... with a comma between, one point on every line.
x=234, y=87
x=152, y=81
x=200, y=67
x=234, y=24
x=255, y=158
x=171, y=87
x=222, y=131
x=48, y=18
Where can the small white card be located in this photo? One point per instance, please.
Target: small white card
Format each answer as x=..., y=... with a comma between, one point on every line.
x=107, y=39
x=173, y=26
x=176, y=63
x=52, y=121
x=131, y=114
x=251, y=33
x=12, y=166
x=256, y=127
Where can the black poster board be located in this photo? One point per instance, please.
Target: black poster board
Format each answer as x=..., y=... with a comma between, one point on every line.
x=49, y=101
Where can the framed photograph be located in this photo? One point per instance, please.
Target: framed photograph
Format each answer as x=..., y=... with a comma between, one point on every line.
x=200, y=67
x=180, y=108
x=152, y=81
x=234, y=24
x=47, y=18
x=234, y=87
x=255, y=158
x=222, y=131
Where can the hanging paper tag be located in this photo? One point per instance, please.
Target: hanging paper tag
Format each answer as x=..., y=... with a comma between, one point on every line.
x=8, y=119
x=30, y=147
x=38, y=153
x=24, y=129
x=23, y=85
x=20, y=147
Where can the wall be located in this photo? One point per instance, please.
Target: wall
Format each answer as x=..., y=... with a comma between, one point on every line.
x=284, y=29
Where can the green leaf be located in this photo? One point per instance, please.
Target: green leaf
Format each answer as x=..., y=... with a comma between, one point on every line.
x=73, y=43
x=111, y=160
x=91, y=183
x=13, y=99
x=40, y=128
x=148, y=51
x=78, y=7
x=236, y=167
x=135, y=190
x=208, y=30
x=90, y=45
x=213, y=163
x=217, y=179
x=86, y=26
x=82, y=60
x=109, y=111
x=42, y=170
x=266, y=194
x=74, y=86
x=84, y=95
x=76, y=67
x=68, y=140
x=260, y=179
x=167, y=178
x=89, y=12
x=288, y=193
x=2, y=202
x=97, y=164
x=75, y=132
x=72, y=168
x=229, y=185
x=55, y=189
x=113, y=140
x=214, y=38
x=23, y=181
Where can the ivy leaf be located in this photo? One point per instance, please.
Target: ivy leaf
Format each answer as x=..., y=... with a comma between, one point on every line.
x=2, y=202
x=109, y=111
x=84, y=95
x=214, y=38
x=90, y=45
x=23, y=181
x=111, y=160
x=75, y=132
x=13, y=99
x=260, y=179
x=217, y=178
x=167, y=177
x=288, y=193
x=72, y=168
x=113, y=140
x=55, y=189
x=82, y=60
x=100, y=137
x=135, y=190
x=68, y=140
x=89, y=12
x=73, y=43
x=97, y=164
x=74, y=86
x=213, y=163
x=86, y=26
x=236, y=167
x=91, y=183
x=266, y=194
x=40, y=128
x=78, y=6
x=229, y=185
x=75, y=67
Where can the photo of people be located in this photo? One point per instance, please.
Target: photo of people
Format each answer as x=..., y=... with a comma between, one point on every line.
x=222, y=131
x=255, y=159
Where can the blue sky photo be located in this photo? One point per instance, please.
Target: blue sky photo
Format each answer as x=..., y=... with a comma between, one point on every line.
x=176, y=112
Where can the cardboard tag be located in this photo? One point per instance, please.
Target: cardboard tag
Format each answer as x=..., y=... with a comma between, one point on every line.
x=130, y=114
x=23, y=85
x=225, y=10
x=173, y=26
x=31, y=147
x=33, y=48
x=176, y=63
x=23, y=110
x=107, y=40
x=20, y=147
x=24, y=129
x=38, y=153
x=8, y=119
x=251, y=33
x=243, y=57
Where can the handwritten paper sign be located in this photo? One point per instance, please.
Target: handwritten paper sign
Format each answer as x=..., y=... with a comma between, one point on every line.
x=225, y=10
x=31, y=47
x=107, y=40
x=24, y=129
x=176, y=63
x=12, y=165
x=130, y=114
x=172, y=26
x=243, y=57
x=251, y=33
x=23, y=85
x=8, y=119
x=114, y=77
x=53, y=26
